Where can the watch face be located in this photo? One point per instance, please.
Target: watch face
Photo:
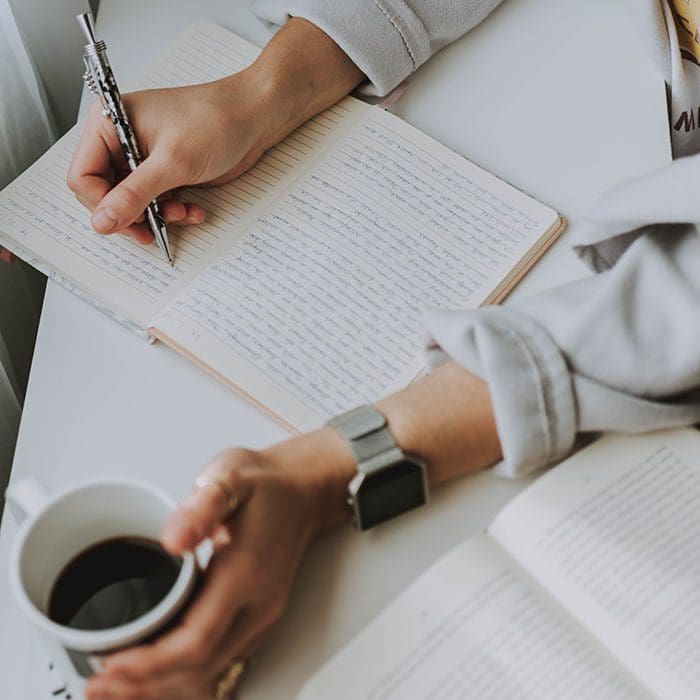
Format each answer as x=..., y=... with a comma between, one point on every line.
x=390, y=492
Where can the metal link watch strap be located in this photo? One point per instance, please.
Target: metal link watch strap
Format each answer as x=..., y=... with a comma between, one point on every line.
x=388, y=481
x=371, y=441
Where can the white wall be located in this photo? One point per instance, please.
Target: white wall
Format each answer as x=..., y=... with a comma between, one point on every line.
x=55, y=43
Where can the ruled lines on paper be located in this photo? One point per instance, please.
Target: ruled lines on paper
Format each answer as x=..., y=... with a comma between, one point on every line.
x=40, y=212
x=324, y=295
x=206, y=54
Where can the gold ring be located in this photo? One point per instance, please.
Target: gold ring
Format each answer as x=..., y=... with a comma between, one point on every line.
x=202, y=482
x=228, y=680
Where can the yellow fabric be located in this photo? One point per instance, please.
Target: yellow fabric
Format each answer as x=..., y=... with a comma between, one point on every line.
x=686, y=14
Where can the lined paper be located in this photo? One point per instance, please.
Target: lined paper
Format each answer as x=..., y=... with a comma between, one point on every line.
x=323, y=296
x=40, y=219
x=305, y=287
x=613, y=534
x=38, y=214
x=473, y=627
x=208, y=53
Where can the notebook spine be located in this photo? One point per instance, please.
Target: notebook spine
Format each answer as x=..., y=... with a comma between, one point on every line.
x=68, y=284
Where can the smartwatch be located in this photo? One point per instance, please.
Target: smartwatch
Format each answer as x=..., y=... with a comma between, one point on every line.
x=388, y=482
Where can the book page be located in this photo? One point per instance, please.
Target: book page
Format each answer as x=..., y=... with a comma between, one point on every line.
x=41, y=220
x=318, y=307
x=471, y=627
x=613, y=533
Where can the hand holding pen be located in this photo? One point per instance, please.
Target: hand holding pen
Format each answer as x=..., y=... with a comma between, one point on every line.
x=100, y=79
x=102, y=178
x=205, y=134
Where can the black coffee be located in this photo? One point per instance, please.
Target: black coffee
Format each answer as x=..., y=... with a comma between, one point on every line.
x=112, y=583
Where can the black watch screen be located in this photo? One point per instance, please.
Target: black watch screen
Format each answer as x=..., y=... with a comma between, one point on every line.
x=390, y=492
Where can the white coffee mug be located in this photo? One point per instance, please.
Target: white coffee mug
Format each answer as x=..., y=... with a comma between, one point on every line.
x=54, y=529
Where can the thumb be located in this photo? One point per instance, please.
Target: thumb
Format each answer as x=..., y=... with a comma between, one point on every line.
x=127, y=201
x=210, y=504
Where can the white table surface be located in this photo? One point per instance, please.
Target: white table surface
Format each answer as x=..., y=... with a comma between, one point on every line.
x=555, y=96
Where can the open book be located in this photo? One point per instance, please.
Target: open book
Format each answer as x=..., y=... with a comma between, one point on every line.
x=305, y=287
x=586, y=586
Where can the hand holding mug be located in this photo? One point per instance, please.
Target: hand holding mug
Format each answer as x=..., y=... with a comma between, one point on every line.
x=84, y=612
x=281, y=508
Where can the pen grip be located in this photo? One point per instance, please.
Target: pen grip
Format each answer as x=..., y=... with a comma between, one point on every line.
x=102, y=82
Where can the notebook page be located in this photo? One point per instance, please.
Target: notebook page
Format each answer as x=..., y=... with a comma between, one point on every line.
x=41, y=219
x=613, y=533
x=318, y=307
x=471, y=628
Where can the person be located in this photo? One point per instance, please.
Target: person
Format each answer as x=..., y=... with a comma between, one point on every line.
x=6, y=256
x=511, y=387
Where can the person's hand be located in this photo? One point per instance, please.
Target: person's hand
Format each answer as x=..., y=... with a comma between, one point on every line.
x=282, y=506
x=206, y=134
x=6, y=256
x=287, y=495
x=201, y=134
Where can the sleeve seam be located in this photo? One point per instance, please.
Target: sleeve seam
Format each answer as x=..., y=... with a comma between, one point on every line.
x=385, y=11
x=542, y=401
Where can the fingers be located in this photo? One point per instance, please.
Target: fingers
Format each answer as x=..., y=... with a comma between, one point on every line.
x=126, y=201
x=101, y=181
x=200, y=513
x=188, y=657
x=93, y=190
x=123, y=689
x=6, y=255
x=174, y=212
x=177, y=212
x=187, y=683
x=226, y=589
x=244, y=638
x=92, y=171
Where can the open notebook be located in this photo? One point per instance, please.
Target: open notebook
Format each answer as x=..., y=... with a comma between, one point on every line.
x=586, y=586
x=305, y=288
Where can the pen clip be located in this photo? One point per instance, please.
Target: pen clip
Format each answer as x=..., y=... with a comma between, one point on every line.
x=92, y=84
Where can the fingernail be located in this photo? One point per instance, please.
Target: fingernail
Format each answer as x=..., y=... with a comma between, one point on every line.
x=97, y=693
x=186, y=533
x=104, y=220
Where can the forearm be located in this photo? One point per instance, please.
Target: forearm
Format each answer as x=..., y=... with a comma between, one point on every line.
x=616, y=351
x=445, y=419
x=300, y=73
x=389, y=39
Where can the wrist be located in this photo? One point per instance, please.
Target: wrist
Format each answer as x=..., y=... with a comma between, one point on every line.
x=248, y=102
x=446, y=420
x=320, y=464
x=300, y=73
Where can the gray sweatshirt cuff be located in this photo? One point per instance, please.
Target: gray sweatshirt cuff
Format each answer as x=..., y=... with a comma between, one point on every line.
x=529, y=381
x=386, y=40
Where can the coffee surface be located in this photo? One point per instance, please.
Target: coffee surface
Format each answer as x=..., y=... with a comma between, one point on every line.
x=112, y=583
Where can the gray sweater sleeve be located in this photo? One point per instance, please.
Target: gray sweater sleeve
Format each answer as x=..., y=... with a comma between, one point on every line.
x=619, y=350
x=386, y=39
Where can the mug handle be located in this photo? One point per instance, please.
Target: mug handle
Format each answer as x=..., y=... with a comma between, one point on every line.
x=26, y=497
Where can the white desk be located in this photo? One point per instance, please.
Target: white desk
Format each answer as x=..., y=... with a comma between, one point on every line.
x=553, y=95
